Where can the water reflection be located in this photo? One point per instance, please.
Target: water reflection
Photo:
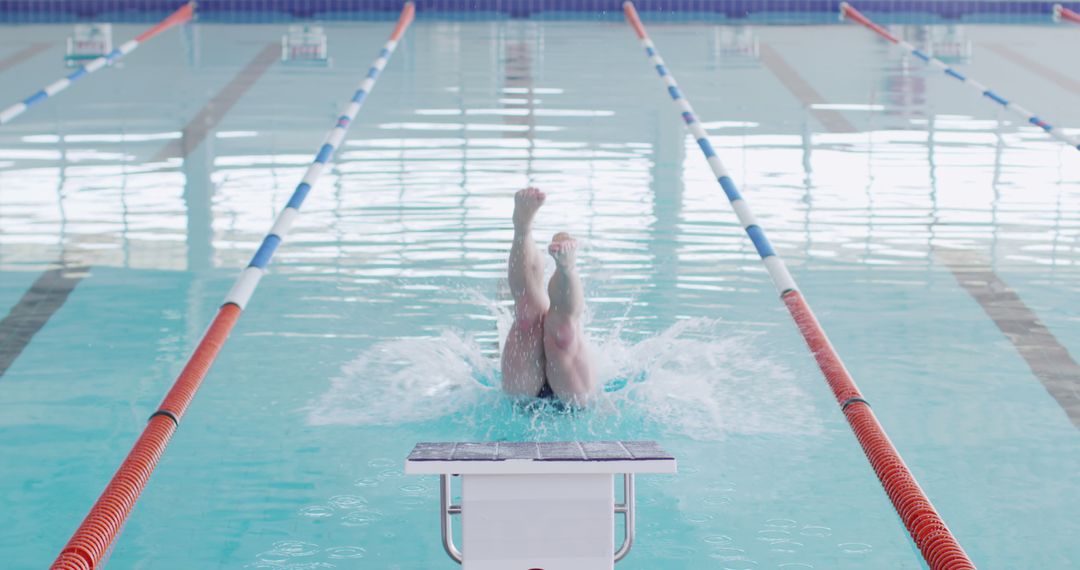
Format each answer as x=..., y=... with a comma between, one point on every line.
x=884, y=196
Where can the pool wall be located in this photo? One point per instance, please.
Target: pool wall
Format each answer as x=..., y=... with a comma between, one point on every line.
x=778, y=11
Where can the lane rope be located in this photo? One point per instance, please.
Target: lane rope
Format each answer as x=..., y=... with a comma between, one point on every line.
x=181, y=16
x=95, y=536
x=847, y=11
x=1063, y=13
x=933, y=538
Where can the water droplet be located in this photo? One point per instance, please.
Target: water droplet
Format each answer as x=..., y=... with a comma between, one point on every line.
x=361, y=518
x=854, y=547
x=347, y=502
x=294, y=548
x=774, y=535
x=787, y=546
x=345, y=552
x=317, y=511
x=414, y=489
x=271, y=558
x=717, y=539
x=816, y=531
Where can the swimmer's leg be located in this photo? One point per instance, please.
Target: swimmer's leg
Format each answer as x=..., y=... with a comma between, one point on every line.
x=523, y=365
x=569, y=368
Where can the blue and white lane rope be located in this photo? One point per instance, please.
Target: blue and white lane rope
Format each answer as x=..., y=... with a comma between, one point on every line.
x=249, y=278
x=184, y=14
x=775, y=266
x=847, y=11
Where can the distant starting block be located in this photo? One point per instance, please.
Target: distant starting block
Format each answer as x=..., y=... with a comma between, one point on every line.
x=538, y=506
x=88, y=41
x=736, y=42
x=305, y=45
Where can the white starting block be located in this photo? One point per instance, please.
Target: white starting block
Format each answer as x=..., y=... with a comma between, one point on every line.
x=305, y=45
x=734, y=42
x=88, y=41
x=948, y=43
x=538, y=506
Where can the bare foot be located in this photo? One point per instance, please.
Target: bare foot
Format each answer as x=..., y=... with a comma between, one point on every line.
x=563, y=249
x=526, y=203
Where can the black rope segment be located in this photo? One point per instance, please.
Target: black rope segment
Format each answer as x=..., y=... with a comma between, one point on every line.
x=167, y=414
x=850, y=401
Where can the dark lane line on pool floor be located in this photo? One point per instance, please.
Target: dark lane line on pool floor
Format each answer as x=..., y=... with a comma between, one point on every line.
x=1048, y=359
x=211, y=114
x=803, y=91
x=21, y=56
x=34, y=309
x=1052, y=75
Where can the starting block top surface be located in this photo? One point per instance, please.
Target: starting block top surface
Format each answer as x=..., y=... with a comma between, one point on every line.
x=508, y=458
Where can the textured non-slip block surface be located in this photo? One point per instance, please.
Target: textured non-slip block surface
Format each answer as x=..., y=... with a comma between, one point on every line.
x=545, y=451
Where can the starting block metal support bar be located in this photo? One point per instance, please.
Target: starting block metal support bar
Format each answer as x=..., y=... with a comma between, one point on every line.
x=446, y=511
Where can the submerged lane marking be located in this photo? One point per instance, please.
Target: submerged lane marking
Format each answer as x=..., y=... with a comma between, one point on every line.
x=803, y=91
x=1048, y=359
x=21, y=56
x=34, y=309
x=211, y=114
x=1062, y=80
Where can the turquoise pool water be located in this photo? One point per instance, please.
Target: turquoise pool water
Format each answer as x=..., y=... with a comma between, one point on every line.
x=378, y=324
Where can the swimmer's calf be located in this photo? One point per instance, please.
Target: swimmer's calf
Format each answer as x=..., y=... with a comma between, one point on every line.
x=566, y=349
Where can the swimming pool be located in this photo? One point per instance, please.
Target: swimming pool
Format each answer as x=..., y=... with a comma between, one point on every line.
x=879, y=181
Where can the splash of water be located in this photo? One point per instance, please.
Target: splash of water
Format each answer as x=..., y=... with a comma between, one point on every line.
x=406, y=380
x=689, y=380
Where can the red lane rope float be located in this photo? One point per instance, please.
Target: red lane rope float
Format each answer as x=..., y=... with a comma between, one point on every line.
x=184, y=14
x=938, y=546
x=95, y=536
x=92, y=540
x=1063, y=13
x=848, y=11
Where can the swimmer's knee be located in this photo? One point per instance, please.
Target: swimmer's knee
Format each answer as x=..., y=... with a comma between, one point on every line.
x=529, y=320
x=563, y=335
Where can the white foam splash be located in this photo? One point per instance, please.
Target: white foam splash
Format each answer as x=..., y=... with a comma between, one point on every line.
x=405, y=380
x=690, y=381
x=705, y=385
